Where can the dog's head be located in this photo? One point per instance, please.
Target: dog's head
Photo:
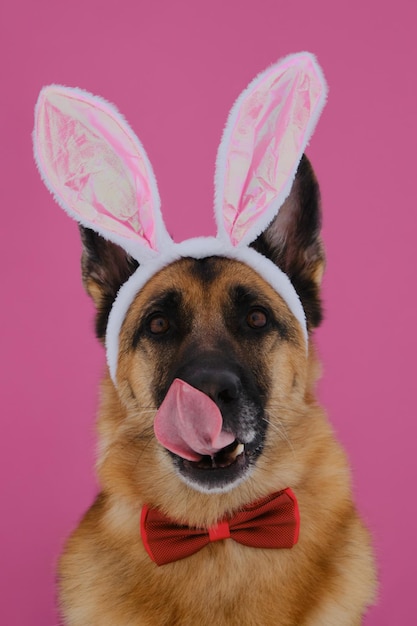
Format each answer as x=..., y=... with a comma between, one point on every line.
x=217, y=325
x=209, y=335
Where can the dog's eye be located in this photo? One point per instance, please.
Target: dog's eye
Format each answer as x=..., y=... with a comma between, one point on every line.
x=159, y=324
x=257, y=318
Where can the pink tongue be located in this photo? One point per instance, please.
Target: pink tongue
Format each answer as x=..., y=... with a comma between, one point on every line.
x=189, y=423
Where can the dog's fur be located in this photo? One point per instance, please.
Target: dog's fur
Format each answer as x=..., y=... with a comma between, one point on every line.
x=205, y=321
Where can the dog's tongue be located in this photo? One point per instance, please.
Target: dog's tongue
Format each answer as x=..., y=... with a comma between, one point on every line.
x=189, y=423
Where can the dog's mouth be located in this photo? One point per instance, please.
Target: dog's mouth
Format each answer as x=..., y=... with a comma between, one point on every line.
x=222, y=459
x=221, y=471
x=207, y=455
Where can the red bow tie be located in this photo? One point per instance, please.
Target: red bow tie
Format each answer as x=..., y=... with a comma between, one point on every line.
x=272, y=522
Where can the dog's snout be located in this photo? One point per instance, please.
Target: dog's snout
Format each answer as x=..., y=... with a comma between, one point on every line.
x=222, y=386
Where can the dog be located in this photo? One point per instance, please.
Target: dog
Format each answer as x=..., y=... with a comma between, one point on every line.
x=209, y=335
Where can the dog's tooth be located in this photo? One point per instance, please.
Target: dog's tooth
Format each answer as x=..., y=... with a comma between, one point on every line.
x=237, y=451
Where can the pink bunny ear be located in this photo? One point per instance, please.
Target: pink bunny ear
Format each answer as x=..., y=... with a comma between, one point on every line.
x=266, y=134
x=97, y=169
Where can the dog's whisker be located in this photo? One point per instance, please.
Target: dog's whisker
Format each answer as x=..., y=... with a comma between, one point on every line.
x=279, y=428
x=285, y=409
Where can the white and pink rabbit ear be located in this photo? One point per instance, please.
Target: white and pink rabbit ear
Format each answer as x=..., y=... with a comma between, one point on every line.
x=97, y=169
x=264, y=139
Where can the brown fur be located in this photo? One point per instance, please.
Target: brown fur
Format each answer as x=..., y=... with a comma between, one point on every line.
x=107, y=579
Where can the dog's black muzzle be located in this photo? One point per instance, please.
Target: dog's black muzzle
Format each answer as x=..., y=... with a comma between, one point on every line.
x=235, y=392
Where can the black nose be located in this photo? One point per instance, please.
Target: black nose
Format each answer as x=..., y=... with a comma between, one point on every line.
x=221, y=385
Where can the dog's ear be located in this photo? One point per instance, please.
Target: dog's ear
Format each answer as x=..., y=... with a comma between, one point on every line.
x=105, y=267
x=292, y=241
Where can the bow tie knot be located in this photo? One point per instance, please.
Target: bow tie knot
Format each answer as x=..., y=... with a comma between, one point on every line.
x=272, y=522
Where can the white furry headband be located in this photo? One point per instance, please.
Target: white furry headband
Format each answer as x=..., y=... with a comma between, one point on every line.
x=98, y=171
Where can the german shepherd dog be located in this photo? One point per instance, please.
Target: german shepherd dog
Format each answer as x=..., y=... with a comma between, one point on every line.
x=215, y=324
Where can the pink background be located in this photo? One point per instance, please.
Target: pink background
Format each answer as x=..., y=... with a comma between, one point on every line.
x=174, y=68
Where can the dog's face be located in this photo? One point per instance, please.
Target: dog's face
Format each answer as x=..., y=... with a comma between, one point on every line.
x=217, y=325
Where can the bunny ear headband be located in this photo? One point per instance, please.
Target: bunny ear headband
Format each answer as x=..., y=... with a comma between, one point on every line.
x=98, y=171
